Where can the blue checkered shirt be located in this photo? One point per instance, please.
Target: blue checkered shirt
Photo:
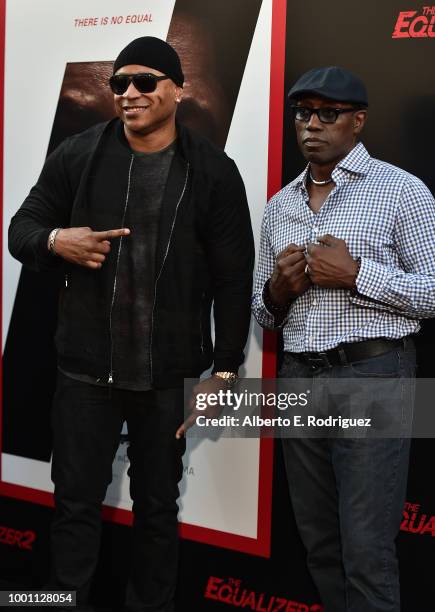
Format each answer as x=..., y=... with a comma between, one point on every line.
x=387, y=217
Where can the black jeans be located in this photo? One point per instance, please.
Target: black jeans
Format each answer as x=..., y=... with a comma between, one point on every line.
x=87, y=421
x=348, y=497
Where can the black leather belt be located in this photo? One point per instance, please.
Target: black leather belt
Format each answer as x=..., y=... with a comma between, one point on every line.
x=343, y=354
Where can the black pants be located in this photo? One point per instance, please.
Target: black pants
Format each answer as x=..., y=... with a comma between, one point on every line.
x=87, y=422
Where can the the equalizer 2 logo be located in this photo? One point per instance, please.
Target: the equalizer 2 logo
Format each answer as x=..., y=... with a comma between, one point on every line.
x=232, y=592
x=415, y=521
x=412, y=24
x=20, y=539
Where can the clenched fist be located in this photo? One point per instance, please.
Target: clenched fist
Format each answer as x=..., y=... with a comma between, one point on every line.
x=82, y=246
x=288, y=279
x=330, y=264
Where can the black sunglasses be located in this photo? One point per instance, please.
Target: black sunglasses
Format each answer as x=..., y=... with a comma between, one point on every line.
x=145, y=82
x=325, y=114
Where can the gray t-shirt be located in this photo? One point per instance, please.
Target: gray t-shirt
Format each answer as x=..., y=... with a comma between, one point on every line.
x=132, y=311
x=131, y=316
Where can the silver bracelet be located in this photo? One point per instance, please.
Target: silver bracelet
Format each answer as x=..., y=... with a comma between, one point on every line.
x=52, y=240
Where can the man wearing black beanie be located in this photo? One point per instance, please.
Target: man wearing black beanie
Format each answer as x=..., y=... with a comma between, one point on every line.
x=150, y=224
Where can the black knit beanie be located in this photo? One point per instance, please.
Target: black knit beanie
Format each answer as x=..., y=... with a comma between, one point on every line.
x=154, y=53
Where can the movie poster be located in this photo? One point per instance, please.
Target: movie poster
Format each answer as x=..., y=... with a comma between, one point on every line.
x=63, y=53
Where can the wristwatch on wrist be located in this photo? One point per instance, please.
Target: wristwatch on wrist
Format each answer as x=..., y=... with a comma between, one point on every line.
x=274, y=309
x=52, y=240
x=229, y=377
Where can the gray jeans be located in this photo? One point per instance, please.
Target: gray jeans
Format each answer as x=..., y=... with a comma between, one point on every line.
x=348, y=497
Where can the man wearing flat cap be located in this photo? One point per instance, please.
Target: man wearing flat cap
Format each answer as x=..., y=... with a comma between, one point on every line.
x=150, y=224
x=346, y=271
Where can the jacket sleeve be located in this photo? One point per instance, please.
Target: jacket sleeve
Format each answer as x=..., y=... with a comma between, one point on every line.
x=230, y=247
x=47, y=206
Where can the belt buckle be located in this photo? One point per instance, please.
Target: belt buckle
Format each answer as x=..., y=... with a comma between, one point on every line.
x=319, y=361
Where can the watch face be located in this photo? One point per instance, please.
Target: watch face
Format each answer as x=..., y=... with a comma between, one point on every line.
x=229, y=377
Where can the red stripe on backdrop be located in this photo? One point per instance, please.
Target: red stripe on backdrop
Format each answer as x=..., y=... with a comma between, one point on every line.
x=36, y=496
x=2, y=106
x=261, y=544
x=274, y=178
x=276, y=106
x=276, y=111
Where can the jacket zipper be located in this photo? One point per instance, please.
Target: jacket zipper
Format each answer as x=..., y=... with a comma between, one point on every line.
x=112, y=303
x=200, y=323
x=161, y=268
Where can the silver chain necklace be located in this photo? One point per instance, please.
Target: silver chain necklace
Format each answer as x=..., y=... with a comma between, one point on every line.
x=320, y=182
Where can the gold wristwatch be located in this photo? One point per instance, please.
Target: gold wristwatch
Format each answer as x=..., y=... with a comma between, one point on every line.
x=229, y=377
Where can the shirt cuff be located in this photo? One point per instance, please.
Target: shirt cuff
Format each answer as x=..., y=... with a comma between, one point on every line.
x=372, y=279
x=273, y=317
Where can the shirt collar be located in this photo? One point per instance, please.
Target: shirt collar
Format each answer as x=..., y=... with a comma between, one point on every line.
x=355, y=162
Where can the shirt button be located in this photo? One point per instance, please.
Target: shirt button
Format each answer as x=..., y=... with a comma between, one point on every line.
x=311, y=338
x=314, y=302
x=315, y=229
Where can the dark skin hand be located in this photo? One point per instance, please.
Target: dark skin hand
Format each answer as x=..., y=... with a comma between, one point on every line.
x=82, y=246
x=288, y=279
x=213, y=384
x=330, y=263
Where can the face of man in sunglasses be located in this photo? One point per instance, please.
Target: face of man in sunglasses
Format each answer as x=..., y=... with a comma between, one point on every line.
x=328, y=143
x=144, y=113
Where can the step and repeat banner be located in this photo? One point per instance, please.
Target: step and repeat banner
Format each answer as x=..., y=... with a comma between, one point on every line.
x=240, y=545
